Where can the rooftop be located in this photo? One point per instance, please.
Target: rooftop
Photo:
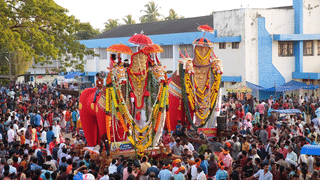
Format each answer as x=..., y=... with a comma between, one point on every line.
x=162, y=27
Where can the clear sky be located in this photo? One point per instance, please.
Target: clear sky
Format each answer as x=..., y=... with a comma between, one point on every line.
x=99, y=11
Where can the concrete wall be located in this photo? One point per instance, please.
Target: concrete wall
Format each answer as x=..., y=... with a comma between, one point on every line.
x=282, y=23
x=311, y=24
x=311, y=17
x=231, y=23
x=250, y=39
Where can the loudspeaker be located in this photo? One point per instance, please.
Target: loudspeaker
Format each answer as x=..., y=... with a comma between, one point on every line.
x=221, y=123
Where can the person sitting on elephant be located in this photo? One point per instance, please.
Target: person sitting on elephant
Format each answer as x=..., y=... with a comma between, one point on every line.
x=99, y=85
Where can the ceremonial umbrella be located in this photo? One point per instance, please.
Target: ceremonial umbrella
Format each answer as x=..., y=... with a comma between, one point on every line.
x=203, y=42
x=205, y=28
x=120, y=48
x=140, y=39
x=153, y=48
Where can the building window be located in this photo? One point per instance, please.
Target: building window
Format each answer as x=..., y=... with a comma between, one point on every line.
x=103, y=53
x=133, y=49
x=318, y=47
x=235, y=45
x=222, y=84
x=222, y=45
x=285, y=48
x=167, y=52
x=308, y=48
x=90, y=56
x=188, y=48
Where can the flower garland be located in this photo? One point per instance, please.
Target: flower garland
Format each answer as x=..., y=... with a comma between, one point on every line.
x=123, y=115
x=186, y=94
x=200, y=58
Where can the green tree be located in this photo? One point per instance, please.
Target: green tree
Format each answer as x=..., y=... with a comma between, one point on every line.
x=110, y=24
x=173, y=15
x=128, y=19
x=86, y=31
x=151, y=13
x=40, y=30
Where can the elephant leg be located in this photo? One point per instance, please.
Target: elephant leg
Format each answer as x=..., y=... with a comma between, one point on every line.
x=101, y=117
x=90, y=128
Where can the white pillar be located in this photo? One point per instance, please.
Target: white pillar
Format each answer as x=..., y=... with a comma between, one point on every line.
x=175, y=57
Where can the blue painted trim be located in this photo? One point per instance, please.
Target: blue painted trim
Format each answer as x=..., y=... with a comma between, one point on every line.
x=298, y=16
x=268, y=74
x=231, y=78
x=295, y=37
x=226, y=39
x=90, y=73
x=298, y=53
x=301, y=75
x=161, y=39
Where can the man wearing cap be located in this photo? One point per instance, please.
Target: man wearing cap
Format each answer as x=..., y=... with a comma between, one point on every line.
x=221, y=173
x=99, y=85
x=165, y=174
x=226, y=158
x=179, y=174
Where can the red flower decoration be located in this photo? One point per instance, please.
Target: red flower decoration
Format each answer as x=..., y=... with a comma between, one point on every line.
x=147, y=93
x=138, y=116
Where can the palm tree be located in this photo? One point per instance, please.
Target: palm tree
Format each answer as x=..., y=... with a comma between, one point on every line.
x=151, y=12
x=110, y=24
x=128, y=19
x=173, y=15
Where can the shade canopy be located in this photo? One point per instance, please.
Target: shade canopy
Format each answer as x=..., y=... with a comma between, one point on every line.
x=239, y=88
x=72, y=75
x=287, y=111
x=290, y=86
x=310, y=150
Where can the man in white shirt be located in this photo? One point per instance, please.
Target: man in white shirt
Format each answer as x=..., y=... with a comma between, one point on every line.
x=194, y=171
x=201, y=175
x=292, y=155
x=44, y=136
x=113, y=168
x=11, y=136
x=105, y=175
x=263, y=174
x=11, y=168
x=56, y=130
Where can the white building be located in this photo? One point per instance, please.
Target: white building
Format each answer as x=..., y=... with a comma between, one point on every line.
x=265, y=47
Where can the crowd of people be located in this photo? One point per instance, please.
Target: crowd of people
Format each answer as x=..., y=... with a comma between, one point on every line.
x=41, y=138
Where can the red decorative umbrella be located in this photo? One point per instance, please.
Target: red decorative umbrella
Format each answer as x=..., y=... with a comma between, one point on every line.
x=153, y=48
x=205, y=28
x=120, y=48
x=140, y=39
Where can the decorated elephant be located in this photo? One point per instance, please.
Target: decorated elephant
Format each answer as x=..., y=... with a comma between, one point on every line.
x=93, y=116
x=194, y=87
x=134, y=111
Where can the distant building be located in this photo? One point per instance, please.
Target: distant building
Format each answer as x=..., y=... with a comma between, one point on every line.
x=265, y=47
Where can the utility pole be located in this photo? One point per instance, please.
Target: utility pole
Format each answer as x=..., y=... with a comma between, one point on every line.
x=10, y=75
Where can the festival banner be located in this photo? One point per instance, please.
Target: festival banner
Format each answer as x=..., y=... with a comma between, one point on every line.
x=209, y=132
